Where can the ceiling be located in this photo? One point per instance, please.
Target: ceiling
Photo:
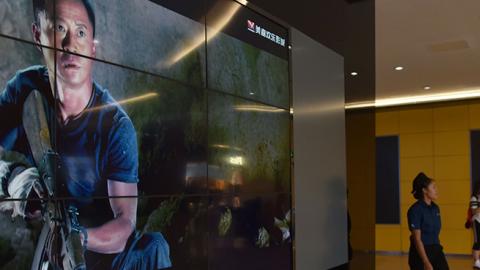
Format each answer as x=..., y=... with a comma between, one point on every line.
x=346, y=27
x=436, y=41
x=322, y=20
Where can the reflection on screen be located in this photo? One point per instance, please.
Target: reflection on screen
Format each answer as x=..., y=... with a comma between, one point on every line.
x=143, y=135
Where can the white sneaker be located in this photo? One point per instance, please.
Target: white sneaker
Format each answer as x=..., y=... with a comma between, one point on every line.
x=477, y=264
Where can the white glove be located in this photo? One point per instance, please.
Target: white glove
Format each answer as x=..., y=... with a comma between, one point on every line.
x=20, y=185
x=474, y=203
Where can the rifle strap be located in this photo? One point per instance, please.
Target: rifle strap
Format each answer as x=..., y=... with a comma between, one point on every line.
x=85, y=236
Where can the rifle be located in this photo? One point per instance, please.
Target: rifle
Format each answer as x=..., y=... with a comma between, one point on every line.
x=59, y=245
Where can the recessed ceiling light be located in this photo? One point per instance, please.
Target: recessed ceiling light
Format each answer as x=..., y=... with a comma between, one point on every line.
x=399, y=68
x=354, y=73
x=252, y=93
x=427, y=87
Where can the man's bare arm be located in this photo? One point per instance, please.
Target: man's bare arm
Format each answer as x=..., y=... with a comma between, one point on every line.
x=113, y=235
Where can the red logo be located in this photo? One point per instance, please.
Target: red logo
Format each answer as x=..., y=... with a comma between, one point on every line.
x=251, y=25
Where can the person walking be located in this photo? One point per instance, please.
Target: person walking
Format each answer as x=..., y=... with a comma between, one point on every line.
x=424, y=222
x=474, y=223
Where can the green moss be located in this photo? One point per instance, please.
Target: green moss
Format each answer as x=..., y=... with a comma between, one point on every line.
x=263, y=238
x=162, y=217
x=225, y=222
x=176, y=110
x=263, y=138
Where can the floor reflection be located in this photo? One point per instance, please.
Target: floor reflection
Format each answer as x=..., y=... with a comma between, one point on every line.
x=400, y=262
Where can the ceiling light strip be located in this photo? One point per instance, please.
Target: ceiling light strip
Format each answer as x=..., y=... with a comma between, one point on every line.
x=411, y=100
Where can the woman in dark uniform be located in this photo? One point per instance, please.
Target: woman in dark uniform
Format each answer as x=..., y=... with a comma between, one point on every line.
x=426, y=253
x=474, y=221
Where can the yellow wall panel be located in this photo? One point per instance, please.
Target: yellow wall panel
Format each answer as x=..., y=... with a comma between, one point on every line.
x=386, y=123
x=388, y=238
x=410, y=167
x=452, y=143
x=415, y=120
x=403, y=212
x=406, y=197
x=456, y=241
x=452, y=168
x=447, y=118
x=453, y=192
x=405, y=239
x=474, y=110
x=361, y=238
x=453, y=216
x=416, y=145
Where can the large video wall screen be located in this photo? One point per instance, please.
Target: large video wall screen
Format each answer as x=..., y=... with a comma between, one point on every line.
x=143, y=135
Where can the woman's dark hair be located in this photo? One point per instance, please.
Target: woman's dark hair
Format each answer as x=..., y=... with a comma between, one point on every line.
x=420, y=182
x=40, y=6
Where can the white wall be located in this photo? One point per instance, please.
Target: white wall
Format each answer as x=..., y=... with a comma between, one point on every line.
x=319, y=155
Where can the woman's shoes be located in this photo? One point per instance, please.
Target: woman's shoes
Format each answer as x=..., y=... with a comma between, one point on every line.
x=476, y=265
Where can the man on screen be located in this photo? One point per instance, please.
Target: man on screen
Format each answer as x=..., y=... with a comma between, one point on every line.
x=94, y=137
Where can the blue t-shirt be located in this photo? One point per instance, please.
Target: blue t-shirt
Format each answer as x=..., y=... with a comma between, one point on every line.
x=97, y=146
x=425, y=218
